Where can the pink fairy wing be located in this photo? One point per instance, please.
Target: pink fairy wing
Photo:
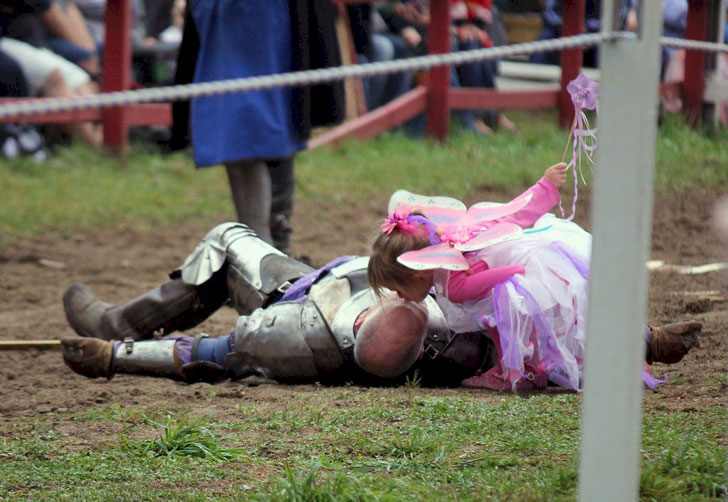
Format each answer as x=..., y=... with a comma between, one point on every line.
x=501, y=232
x=439, y=209
x=488, y=211
x=439, y=256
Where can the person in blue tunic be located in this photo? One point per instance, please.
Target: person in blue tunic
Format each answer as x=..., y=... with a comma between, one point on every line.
x=255, y=135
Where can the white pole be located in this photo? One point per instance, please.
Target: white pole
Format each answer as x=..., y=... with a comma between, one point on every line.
x=621, y=222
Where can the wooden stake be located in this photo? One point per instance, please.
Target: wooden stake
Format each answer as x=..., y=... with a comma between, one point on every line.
x=29, y=344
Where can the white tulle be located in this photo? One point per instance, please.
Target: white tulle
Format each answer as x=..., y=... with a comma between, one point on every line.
x=540, y=315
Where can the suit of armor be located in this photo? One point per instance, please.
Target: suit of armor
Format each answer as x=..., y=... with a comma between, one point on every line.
x=296, y=324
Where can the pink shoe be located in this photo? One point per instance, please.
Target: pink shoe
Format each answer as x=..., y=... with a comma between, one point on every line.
x=492, y=380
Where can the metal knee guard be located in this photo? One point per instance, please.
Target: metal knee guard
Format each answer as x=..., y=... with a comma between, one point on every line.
x=256, y=269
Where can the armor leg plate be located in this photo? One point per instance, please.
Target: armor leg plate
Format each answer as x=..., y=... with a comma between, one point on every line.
x=256, y=269
x=152, y=357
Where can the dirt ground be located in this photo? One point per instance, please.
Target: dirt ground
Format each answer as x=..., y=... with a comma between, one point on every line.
x=119, y=263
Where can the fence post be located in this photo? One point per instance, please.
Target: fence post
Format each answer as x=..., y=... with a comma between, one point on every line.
x=694, y=83
x=621, y=221
x=438, y=101
x=117, y=69
x=572, y=23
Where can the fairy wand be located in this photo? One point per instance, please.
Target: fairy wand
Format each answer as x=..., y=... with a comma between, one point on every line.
x=584, y=94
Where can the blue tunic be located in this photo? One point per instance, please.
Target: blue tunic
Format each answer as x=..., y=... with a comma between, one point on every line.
x=243, y=38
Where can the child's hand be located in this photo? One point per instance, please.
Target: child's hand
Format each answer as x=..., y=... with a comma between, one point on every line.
x=556, y=174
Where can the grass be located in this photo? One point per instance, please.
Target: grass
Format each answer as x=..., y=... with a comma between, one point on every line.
x=406, y=444
x=78, y=187
x=381, y=446
x=182, y=439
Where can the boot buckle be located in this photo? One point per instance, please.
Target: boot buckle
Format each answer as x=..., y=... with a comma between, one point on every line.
x=129, y=344
x=284, y=287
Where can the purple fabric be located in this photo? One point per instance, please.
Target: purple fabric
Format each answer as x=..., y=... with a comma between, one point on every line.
x=582, y=266
x=297, y=292
x=549, y=354
x=183, y=347
x=651, y=381
x=429, y=224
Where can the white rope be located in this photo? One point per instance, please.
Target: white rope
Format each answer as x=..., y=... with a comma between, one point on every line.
x=187, y=91
x=693, y=45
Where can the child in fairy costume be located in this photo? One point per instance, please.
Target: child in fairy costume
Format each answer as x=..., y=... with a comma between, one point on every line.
x=513, y=270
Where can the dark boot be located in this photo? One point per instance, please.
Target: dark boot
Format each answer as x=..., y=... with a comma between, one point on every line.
x=250, y=186
x=173, y=306
x=671, y=342
x=281, y=210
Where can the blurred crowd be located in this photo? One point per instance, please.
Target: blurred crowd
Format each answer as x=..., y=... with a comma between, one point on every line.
x=56, y=48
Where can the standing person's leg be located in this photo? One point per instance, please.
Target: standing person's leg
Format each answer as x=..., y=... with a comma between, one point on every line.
x=283, y=185
x=250, y=185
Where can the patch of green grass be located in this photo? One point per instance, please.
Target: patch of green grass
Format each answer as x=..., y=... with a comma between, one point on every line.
x=308, y=487
x=381, y=445
x=115, y=413
x=79, y=187
x=182, y=439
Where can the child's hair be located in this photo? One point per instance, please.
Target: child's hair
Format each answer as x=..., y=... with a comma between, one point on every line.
x=384, y=269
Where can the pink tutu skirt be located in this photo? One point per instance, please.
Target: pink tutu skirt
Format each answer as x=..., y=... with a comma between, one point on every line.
x=539, y=316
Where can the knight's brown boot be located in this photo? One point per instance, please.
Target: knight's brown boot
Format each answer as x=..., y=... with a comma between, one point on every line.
x=84, y=311
x=171, y=306
x=671, y=342
x=89, y=357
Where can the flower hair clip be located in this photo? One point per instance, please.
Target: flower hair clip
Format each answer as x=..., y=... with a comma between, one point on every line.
x=407, y=222
x=399, y=219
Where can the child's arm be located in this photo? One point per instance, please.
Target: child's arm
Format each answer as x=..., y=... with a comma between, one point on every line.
x=545, y=196
x=474, y=284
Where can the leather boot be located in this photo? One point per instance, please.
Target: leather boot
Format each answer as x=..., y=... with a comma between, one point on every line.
x=173, y=306
x=281, y=210
x=89, y=357
x=250, y=186
x=671, y=342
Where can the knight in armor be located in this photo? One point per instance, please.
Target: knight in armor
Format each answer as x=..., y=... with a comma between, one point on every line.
x=296, y=324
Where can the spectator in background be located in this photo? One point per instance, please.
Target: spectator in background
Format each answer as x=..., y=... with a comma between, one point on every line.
x=373, y=46
x=147, y=50
x=67, y=34
x=552, y=24
x=478, y=25
x=17, y=139
x=158, y=16
x=256, y=135
x=22, y=37
x=410, y=21
x=674, y=22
